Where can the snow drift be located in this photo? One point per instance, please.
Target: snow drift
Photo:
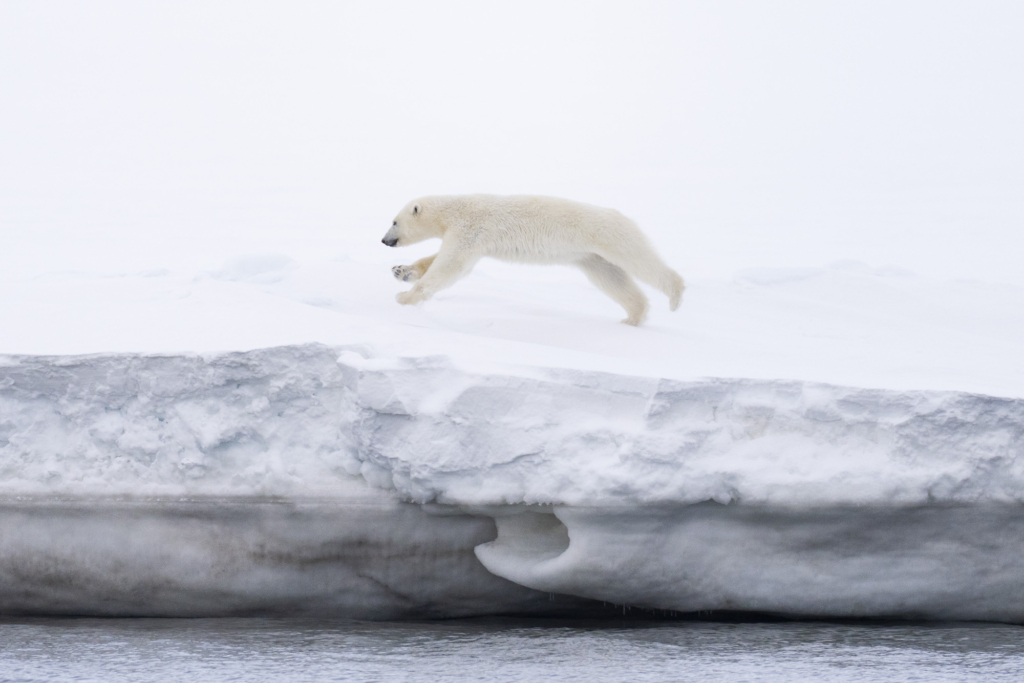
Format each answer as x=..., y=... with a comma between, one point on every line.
x=237, y=483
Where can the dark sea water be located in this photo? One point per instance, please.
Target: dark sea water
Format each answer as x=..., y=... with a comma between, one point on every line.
x=199, y=650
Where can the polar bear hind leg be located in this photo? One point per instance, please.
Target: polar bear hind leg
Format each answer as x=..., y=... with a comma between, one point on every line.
x=616, y=283
x=640, y=261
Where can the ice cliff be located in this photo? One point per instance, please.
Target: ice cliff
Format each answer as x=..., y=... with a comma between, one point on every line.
x=337, y=479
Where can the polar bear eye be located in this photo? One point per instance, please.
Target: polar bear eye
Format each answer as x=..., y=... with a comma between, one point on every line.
x=415, y=209
x=394, y=223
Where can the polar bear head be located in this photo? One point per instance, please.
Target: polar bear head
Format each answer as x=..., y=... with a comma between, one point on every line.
x=415, y=223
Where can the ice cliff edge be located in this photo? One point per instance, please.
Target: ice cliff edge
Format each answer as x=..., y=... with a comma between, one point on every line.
x=780, y=496
x=303, y=420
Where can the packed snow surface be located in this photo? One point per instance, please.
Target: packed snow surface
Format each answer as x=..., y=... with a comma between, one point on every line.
x=847, y=324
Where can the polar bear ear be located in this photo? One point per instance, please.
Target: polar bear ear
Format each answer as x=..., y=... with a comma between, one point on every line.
x=415, y=209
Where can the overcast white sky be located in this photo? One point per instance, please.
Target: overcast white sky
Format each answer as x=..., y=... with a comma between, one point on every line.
x=136, y=135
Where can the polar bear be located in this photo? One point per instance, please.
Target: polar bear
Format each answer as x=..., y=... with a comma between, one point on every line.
x=608, y=247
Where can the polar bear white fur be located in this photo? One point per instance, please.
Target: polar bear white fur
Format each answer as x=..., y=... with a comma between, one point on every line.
x=608, y=247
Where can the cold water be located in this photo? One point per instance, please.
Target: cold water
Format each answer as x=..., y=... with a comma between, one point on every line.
x=494, y=650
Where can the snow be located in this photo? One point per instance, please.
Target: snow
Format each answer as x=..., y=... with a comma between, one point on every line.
x=587, y=439
x=263, y=424
x=847, y=324
x=309, y=420
x=210, y=402
x=859, y=429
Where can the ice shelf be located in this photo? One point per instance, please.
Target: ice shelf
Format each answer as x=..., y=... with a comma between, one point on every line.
x=319, y=479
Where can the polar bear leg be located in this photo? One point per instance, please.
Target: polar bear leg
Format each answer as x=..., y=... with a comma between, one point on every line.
x=446, y=267
x=640, y=261
x=616, y=283
x=413, y=272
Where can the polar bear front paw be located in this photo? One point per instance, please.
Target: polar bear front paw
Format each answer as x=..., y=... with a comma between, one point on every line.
x=405, y=273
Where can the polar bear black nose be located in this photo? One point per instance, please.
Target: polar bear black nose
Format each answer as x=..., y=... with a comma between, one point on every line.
x=390, y=242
